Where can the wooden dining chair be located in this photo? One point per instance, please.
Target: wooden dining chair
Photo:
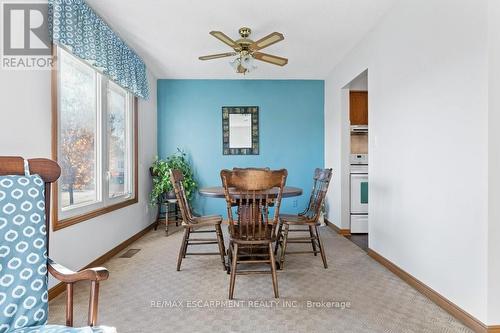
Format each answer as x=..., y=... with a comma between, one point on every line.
x=253, y=231
x=309, y=218
x=25, y=190
x=192, y=224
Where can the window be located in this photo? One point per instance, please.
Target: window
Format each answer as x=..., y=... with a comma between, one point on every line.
x=96, y=140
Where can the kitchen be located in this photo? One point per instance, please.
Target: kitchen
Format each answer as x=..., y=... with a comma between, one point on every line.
x=358, y=170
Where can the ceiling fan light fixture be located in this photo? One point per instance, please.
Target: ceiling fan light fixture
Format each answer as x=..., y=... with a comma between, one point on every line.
x=243, y=64
x=235, y=63
x=248, y=63
x=247, y=51
x=241, y=70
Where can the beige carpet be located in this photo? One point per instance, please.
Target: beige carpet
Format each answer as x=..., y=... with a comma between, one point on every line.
x=195, y=299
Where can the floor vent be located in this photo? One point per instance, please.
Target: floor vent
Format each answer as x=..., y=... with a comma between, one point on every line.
x=129, y=253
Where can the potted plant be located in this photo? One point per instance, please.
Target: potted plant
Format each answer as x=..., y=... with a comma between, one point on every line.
x=160, y=171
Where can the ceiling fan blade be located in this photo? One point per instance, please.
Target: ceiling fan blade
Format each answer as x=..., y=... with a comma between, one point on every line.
x=224, y=38
x=272, y=59
x=266, y=41
x=219, y=55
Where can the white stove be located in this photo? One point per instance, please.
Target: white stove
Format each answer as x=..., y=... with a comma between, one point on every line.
x=359, y=168
x=359, y=193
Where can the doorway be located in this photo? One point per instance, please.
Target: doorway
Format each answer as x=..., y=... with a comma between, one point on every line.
x=358, y=117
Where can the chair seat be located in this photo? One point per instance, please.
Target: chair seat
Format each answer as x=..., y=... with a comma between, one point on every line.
x=65, y=329
x=205, y=221
x=297, y=220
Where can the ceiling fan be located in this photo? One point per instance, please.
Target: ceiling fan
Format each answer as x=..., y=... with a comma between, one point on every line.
x=247, y=50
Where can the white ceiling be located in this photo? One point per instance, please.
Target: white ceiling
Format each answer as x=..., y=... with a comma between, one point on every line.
x=171, y=34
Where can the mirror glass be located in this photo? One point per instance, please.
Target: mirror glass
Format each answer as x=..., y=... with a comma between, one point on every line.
x=240, y=130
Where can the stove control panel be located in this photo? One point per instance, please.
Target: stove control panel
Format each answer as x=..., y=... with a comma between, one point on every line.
x=359, y=159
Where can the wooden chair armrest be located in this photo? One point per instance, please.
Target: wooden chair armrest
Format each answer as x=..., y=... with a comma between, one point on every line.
x=94, y=275
x=66, y=275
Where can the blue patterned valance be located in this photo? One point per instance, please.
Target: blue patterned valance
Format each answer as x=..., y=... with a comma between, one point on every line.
x=74, y=25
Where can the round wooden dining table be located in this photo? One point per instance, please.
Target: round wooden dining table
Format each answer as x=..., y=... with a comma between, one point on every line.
x=218, y=192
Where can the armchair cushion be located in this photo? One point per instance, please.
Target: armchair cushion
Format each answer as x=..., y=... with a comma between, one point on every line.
x=23, y=253
x=65, y=329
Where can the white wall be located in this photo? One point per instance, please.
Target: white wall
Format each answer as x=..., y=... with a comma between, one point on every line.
x=428, y=161
x=25, y=130
x=360, y=82
x=494, y=164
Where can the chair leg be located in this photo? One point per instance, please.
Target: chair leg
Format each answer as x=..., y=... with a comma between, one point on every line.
x=220, y=242
x=158, y=217
x=278, y=238
x=186, y=242
x=321, y=249
x=312, y=239
x=167, y=216
x=229, y=258
x=176, y=214
x=283, y=247
x=69, y=304
x=93, y=303
x=182, y=250
x=233, y=271
x=273, y=271
x=222, y=239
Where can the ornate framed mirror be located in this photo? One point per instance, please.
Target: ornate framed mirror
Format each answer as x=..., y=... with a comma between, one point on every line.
x=240, y=130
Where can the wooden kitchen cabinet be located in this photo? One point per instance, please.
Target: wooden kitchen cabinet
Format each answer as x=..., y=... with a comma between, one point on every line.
x=358, y=107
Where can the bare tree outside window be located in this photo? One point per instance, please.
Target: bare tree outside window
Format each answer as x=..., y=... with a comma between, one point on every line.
x=77, y=146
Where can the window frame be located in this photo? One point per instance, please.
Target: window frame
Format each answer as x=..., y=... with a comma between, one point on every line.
x=106, y=204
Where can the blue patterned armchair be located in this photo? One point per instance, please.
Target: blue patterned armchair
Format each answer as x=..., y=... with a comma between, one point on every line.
x=24, y=263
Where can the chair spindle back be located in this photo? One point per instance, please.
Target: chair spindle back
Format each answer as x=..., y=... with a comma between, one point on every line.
x=253, y=192
x=321, y=181
x=176, y=177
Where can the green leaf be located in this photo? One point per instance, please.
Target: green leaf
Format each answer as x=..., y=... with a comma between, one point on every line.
x=161, y=175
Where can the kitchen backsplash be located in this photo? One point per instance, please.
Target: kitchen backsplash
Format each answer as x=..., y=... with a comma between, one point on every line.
x=359, y=143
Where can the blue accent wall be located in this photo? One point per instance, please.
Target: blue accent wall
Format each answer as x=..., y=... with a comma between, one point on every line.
x=291, y=129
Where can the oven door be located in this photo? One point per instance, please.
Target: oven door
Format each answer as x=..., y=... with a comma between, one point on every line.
x=359, y=193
